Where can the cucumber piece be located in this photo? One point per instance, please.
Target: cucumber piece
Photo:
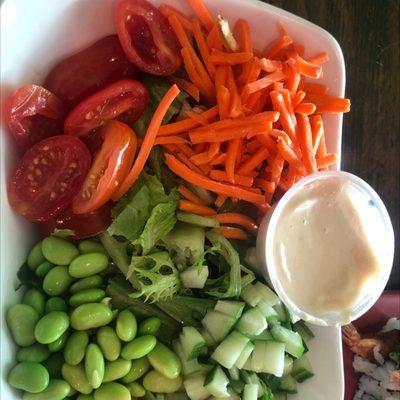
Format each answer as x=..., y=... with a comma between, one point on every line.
x=229, y=350
x=274, y=360
x=237, y=386
x=288, y=365
x=234, y=372
x=252, y=377
x=252, y=322
x=197, y=220
x=216, y=382
x=303, y=330
x=264, y=335
x=176, y=396
x=232, y=309
x=288, y=384
x=188, y=367
x=244, y=355
x=194, y=277
x=293, y=318
x=269, y=312
x=194, y=386
x=281, y=311
x=217, y=324
x=192, y=342
x=258, y=356
x=267, y=294
x=250, y=391
x=232, y=396
x=292, y=340
x=207, y=337
x=302, y=369
x=247, y=365
x=280, y=396
x=271, y=381
x=250, y=295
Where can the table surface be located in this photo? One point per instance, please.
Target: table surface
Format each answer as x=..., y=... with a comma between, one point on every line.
x=368, y=32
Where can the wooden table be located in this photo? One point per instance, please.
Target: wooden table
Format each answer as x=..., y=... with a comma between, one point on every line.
x=368, y=32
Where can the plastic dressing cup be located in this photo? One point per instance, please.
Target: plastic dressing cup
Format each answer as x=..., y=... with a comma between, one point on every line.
x=327, y=248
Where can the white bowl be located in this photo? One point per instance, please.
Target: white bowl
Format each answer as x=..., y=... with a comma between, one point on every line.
x=35, y=34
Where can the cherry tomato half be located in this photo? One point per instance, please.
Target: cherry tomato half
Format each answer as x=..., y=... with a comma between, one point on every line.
x=110, y=166
x=83, y=225
x=48, y=176
x=86, y=72
x=147, y=37
x=125, y=96
x=33, y=113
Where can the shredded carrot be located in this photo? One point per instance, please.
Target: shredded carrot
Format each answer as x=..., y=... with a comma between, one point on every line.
x=267, y=186
x=185, y=149
x=277, y=46
x=236, y=102
x=316, y=88
x=327, y=161
x=317, y=130
x=319, y=59
x=230, y=232
x=168, y=10
x=333, y=108
x=197, y=117
x=185, y=160
x=201, y=158
x=285, y=119
x=170, y=140
x=321, y=150
x=269, y=66
x=202, y=13
x=290, y=156
x=189, y=195
x=293, y=75
x=242, y=29
x=306, y=68
x=237, y=219
x=220, y=200
x=199, y=148
x=305, y=109
x=240, y=180
x=266, y=141
x=214, y=39
x=306, y=143
x=231, y=156
x=186, y=86
x=298, y=98
x=199, y=209
x=288, y=178
x=298, y=48
x=214, y=149
x=288, y=103
x=218, y=160
x=254, y=161
x=219, y=57
x=262, y=83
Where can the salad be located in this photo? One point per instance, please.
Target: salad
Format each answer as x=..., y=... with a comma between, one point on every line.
x=148, y=160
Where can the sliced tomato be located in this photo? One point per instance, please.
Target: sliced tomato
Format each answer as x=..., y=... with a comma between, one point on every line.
x=125, y=96
x=86, y=72
x=33, y=113
x=111, y=165
x=48, y=176
x=83, y=225
x=147, y=37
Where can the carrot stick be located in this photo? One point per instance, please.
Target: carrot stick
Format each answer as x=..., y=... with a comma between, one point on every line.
x=220, y=200
x=305, y=109
x=222, y=176
x=236, y=102
x=254, y=161
x=317, y=130
x=186, y=86
x=219, y=160
x=148, y=142
x=315, y=88
x=284, y=116
x=269, y=66
x=319, y=59
x=267, y=186
x=231, y=155
x=320, y=99
x=185, y=149
x=327, y=161
x=197, y=117
x=242, y=29
x=220, y=57
x=168, y=10
x=293, y=75
x=290, y=156
x=288, y=103
x=185, y=160
x=169, y=140
x=199, y=148
x=288, y=178
x=189, y=195
x=196, y=179
x=201, y=158
x=252, y=146
x=223, y=101
x=202, y=13
x=214, y=40
x=321, y=150
x=277, y=46
x=332, y=108
x=298, y=48
x=298, y=98
x=262, y=83
x=307, y=69
x=306, y=143
x=237, y=219
x=266, y=141
x=229, y=232
x=199, y=209
x=214, y=149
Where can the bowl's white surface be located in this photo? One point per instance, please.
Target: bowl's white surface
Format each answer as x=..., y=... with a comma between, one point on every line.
x=35, y=34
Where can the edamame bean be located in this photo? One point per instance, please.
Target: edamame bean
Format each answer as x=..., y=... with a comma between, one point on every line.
x=93, y=281
x=21, y=320
x=116, y=369
x=58, y=389
x=72, y=391
x=138, y=369
x=50, y=327
x=88, y=264
x=35, y=256
x=112, y=390
x=53, y=364
x=35, y=299
x=85, y=397
x=59, y=343
x=94, y=365
x=75, y=375
x=58, y=251
x=126, y=326
x=29, y=376
x=165, y=361
x=158, y=383
x=55, y=304
x=35, y=353
x=90, y=246
x=90, y=315
x=136, y=389
x=139, y=347
x=75, y=348
x=44, y=268
x=109, y=343
x=57, y=281
x=86, y=296
x=149, y=326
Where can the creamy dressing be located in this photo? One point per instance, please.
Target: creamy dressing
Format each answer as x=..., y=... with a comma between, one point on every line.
x=327, y=246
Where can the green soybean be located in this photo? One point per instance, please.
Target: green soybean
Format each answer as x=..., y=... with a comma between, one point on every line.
x=50, y=327
x=126, y=326
x=90, y=315
x=72, y=392
x=59, y=343
x=35, y=353
x=112, y=390
x=55, y=304
x=91, y=246
x=35, y=299
x=94, y=365
x=136, y=389
x=158, y=383
x=57, y=281
x=85, y=397
x=58, y=389
x=35, y=256
x=138, y=369
x=165, y=361
x=75, y=375
x=139, y=347
x=44, y=268
x=109, y=343
x=88, y=264
x=93, y=281
x=75, y=348
x=53, y=364
x=29, y=376
x=86, y=296
x=149, y=326
x=21, y=320
x=116, y=369
x=59, y=251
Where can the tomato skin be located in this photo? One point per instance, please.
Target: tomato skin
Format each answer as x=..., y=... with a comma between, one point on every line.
x=84, y=225
x=124, y=96
x=48, y=176
x=91, y=69
x=147, y=37
x=109, y=168
x=32, y=114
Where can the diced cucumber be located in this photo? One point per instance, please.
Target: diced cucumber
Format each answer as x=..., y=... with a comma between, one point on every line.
x=303, y=330
x=252, y=322
x=258, y=356
x=250, y=391
x=216, y=382
x=302, y=369
x=271, y=381
x=229, y=350
x=288, y=365
x=177, y=396
x=198, y=220
x=288, y=384
x=188, y=367
x=264, y=335
x=293, y=318
x=217, y=324
x=232, y=309
x=194, y=277
x=252, y=377
x=232, y=396
x=269, y=312
x=194, y=386
x=250, y=295
x=274, y=360
x=244, y=355
x=292, y=340
x=281, y=310
x=234, y=372
x=280, y=396
x=207, y=337
x=192, y=342
x=237, y=386
x=267, y=294
x=247, y=365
